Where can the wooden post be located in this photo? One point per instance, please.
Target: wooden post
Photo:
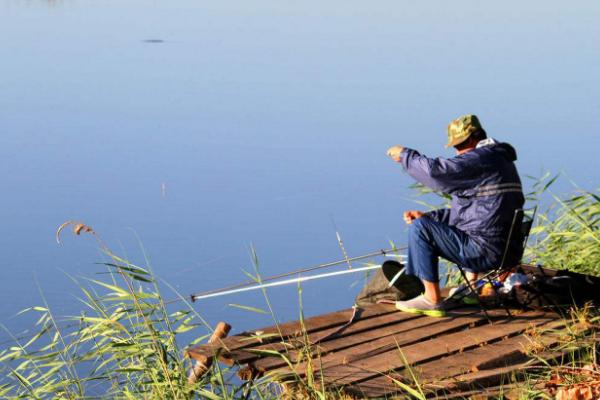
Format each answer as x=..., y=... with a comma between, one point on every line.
x=202, y=365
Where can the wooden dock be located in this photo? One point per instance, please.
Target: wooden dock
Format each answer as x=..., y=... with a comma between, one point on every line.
x=450, y=356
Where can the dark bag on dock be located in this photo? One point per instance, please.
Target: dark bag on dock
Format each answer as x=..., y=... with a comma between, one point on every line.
x=376, y=289
x=550, y=288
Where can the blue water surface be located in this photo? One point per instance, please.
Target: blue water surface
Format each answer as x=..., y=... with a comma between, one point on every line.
x=206, y=128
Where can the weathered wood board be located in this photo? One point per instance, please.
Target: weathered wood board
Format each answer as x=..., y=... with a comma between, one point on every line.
x=382, y=346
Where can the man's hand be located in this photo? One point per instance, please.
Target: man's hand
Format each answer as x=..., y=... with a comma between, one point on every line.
x=394, y=153
x=410, y=216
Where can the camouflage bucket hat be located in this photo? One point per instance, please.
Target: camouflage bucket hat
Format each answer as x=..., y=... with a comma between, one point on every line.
x=461, y=128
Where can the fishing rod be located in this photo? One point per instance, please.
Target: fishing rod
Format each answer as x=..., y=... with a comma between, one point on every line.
x=285, y=282
x=254, y=285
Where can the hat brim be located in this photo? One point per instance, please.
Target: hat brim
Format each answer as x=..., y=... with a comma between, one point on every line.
x=457, y=141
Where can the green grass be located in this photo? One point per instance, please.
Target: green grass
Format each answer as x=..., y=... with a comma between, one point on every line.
x=567, y=235
x=125, y=342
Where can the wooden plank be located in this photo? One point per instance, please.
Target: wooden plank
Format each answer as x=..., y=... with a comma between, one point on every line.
x=357, y=333
x=505, y=352
x=334, y=334
x=500, y=354
x=503, y=391
x=391, y=342
x=286, y=330
x=376, y=339
x=370, y=365
x=494, y=376
x=201, y=367
x=427, y=350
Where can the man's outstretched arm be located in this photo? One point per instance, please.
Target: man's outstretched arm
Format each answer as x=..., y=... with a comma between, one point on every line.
x=440, y=174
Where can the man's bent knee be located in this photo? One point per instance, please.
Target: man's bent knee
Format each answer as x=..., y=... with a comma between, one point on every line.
x=420, y=226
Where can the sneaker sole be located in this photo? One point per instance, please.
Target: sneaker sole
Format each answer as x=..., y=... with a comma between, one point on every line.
x=469, y=300
x=472, y=301
x=429, y=313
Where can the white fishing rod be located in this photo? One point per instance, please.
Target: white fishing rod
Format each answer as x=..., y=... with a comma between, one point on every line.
x=285, y=282
x=253, y=284
x=299, y=279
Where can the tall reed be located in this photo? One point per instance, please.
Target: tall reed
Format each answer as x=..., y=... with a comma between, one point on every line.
x=123, y=344
x=567, y=235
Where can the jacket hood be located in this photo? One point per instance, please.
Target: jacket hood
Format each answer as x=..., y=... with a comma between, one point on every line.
x=504, y=149
x=507, y=151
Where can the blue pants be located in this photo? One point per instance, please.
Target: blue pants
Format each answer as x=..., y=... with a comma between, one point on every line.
x=428, y=240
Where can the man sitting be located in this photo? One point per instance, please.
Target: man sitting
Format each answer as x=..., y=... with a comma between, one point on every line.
x=486, y=190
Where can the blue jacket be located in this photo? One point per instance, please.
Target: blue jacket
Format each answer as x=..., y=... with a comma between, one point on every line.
x=485, y=189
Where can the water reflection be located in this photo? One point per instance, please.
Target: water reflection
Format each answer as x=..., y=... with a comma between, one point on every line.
x=256, y=123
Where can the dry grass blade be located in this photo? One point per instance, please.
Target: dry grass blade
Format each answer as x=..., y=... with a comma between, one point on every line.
x=78, y=228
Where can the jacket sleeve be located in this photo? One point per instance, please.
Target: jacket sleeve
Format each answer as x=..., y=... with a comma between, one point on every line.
x=441, y=174
x=440, y=215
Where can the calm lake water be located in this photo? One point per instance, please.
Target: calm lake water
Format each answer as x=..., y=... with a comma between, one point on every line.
x=205, y=128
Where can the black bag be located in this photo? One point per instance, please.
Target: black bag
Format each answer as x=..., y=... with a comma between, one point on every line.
x=376, y=289
x=558, y=289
